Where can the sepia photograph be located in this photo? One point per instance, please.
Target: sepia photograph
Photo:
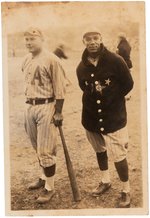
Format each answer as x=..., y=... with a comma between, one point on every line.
x=75, y=117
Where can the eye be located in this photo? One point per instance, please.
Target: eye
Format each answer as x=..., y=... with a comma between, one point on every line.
x=95, y=38
x=88, y=39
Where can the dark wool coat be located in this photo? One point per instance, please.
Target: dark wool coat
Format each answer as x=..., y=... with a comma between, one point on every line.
x=124, y=50
x=104, y=88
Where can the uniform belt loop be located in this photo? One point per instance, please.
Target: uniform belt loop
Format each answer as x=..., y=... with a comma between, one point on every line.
x=33, y=101
x=46, y=101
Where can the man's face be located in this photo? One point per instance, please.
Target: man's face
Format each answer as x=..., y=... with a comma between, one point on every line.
x=33, y=43
x=92, y=42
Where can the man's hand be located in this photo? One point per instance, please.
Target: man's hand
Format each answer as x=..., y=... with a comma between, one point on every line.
x=58, y=118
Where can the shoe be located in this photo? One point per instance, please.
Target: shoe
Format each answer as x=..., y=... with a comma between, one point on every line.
x=38, y=184
x=125, y=200
x=45, y=196
x=100, y=189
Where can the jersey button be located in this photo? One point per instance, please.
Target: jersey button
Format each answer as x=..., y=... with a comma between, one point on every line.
x=100, y=120
x=92, y=75
x=99, y=110
x=98, y=101
x=102, y=129
x=96, y=82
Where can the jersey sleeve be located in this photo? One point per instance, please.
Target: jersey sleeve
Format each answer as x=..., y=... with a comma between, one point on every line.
x=58, y=79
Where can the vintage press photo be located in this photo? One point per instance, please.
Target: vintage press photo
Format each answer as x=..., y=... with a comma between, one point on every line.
x=34, y=79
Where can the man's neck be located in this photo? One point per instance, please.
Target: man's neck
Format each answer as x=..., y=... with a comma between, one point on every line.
x=35, y=54
x=94, y=54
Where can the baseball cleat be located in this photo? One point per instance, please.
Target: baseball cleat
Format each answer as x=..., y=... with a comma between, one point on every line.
x=100, y=189
x=45, y=196
x=37, y=185
x=125, y=200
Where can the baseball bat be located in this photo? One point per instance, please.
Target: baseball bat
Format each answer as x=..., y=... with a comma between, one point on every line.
x=71, y=173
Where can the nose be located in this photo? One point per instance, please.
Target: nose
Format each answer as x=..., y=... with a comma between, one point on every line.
x=28, y=42
x=92, y=41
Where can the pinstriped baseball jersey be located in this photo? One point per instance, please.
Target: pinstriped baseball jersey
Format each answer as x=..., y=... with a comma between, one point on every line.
x=44, y=76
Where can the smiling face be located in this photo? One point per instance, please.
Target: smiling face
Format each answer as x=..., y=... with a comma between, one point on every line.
x=92, y=41
x=33, y=43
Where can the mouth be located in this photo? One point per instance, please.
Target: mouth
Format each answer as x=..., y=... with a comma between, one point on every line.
x=29, y=47
x=93, y=48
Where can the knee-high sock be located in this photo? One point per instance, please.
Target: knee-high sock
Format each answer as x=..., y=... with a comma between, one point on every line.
x=102, y=159
x=123, y=172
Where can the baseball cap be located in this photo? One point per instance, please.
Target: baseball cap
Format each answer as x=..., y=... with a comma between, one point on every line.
x=91, y=30
x=33, y=32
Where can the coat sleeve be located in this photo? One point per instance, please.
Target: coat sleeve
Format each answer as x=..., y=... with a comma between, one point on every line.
x=81, y=82
x=124, y=77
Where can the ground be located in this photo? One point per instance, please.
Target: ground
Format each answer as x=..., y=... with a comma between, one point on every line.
x=24, y=165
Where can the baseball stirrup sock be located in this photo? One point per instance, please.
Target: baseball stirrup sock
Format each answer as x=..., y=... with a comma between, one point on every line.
x=50, y=171
x=122, y=170
x=102, y=159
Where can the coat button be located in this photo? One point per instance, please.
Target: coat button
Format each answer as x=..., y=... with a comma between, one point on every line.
x=102, y=129
x=96, y=82
x=99, y=110
x=98, y=101
x=100, y=120
x=92, y=75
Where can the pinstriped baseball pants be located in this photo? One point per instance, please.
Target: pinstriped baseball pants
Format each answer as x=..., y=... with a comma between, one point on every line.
x=116, y=143
x=42, y=132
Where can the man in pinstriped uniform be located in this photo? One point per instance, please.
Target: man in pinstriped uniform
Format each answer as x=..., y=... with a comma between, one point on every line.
x=44, y=91
x=105, y=80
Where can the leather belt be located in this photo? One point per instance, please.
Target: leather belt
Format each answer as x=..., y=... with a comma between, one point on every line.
x=37, y=101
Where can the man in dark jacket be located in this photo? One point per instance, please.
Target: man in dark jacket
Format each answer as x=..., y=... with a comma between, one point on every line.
x=60, y=52
x=105, y=80
x=124, y=49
